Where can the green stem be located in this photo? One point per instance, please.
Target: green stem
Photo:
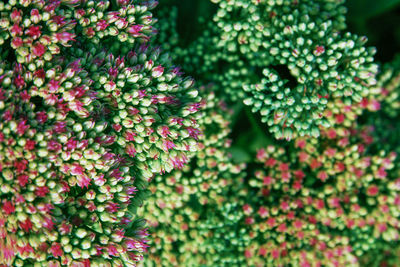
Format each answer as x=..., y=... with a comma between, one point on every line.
x=254, y=124
x=237, y=109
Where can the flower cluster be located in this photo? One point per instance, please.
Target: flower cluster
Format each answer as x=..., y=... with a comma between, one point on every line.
x=389, y=84
x=286, y=59
x=321, y=202
x=130, y=23
x=82, y=130
x=150, y=107
x=387, y=103
x=65, y=191
x=323, y=64
x=329, y=197
x=35, y=30
x=41, y=29
x=184, y=206
x=95, y=118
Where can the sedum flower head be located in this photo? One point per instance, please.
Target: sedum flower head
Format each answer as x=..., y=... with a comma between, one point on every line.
x=247, y=25
x=63, y=192
x=127, y=23
x=386, y=103
x=151, y=108
x=35, y=30
x=184, y=204
x=389, y=85
x=82, y=131
x=287, y=60
x=326, y=201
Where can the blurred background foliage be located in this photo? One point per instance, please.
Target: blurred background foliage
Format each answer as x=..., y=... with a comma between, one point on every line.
x=379, y=20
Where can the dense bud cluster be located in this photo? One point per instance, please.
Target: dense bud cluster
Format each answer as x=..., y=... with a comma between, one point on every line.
x=389, y=84
x=35, y=30
x=38, y=28
x=331, y=201
x=184, y=206
x=387, y=101
x=83, y=129
x=286, y=59
x=321, y=202
x=149, y=104
x=384, y=123
x=95, y=118
x=302, y=37
x=248, y=26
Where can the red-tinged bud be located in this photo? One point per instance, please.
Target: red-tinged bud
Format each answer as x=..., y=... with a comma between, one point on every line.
x=38, y=49
x=372, y=190
x=135, y=30
x=319, y=50
x=17, y=42
x=157, y=71
x=35, y=16
x=130, y=150
x=33, y=31
x=16, y=15
x=123, y=2
x=8, y=207
x=16, y=30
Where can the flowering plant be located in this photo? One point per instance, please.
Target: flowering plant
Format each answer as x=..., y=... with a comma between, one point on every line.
x=283, y=153
x=84, y=124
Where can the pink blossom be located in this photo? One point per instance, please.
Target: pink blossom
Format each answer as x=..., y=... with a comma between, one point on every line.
x=38, y=49
x=23, y=179
x=22, y=127
x=33, y=31
x=19, y=81
x=112, y=250
x=8, y=207
x=65, y=228
x=77, y=169
x=48, y=223
x=16, y=15
x=16, y=30
x=26, y=225
x=53, y=145
x=60, y=20
x=131, y=190
x=102, y=25
x=42, y=191
x=17, y=42
x=83, y=181
x=71, y=144
x=116, y=173
x=135, y=30
x=41, y=117
x=64, y=37
x=130, y=150
x=193, y=132
x=168, y=145
x=372, y=190
x=60, y=127
x=112, y=207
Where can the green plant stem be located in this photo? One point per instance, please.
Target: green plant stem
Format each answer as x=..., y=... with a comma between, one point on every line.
x=254, y=124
